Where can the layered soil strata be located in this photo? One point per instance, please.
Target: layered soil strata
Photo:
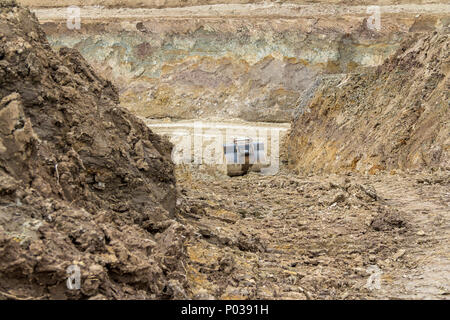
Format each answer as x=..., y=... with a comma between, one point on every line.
x=251, y=62
x=188, y=3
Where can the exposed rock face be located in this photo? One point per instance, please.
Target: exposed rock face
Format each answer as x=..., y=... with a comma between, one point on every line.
x=396, y=117
x=251, y=62
x=82, y=181
x=178, y=3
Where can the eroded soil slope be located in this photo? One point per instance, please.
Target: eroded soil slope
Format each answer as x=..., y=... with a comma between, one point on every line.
x=396, y=117
x=82, y=181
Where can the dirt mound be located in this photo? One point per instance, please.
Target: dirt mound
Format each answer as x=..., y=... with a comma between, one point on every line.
x=393, y=118
x=82, y=181
x=291, y=237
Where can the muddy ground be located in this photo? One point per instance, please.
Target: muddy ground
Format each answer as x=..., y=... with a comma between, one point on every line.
x=317, y=237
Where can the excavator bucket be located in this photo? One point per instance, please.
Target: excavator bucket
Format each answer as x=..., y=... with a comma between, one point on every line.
x=244, y=155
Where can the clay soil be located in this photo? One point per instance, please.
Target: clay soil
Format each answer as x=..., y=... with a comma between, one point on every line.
x=317, y=237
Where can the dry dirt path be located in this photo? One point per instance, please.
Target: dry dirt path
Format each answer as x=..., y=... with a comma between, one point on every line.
x=290, y=237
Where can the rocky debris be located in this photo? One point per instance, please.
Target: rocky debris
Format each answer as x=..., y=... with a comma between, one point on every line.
x=250, y=243
x=82, y=181
x=400, y=253
x=294, y=237
x=315, y=237
x=394, y=117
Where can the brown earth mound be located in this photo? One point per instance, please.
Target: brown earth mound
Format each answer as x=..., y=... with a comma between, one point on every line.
x=396, y=117
x=82, y=181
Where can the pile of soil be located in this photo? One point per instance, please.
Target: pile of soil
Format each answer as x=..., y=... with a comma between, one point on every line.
x=82, y=181
x=394, y=117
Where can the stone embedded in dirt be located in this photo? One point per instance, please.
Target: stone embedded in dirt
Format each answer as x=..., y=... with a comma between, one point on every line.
x=338, y=198
x=387, y=220
x=325, y=251
x=252, y=243
x=399, y=254
x=82, y=181
x=227, y=263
